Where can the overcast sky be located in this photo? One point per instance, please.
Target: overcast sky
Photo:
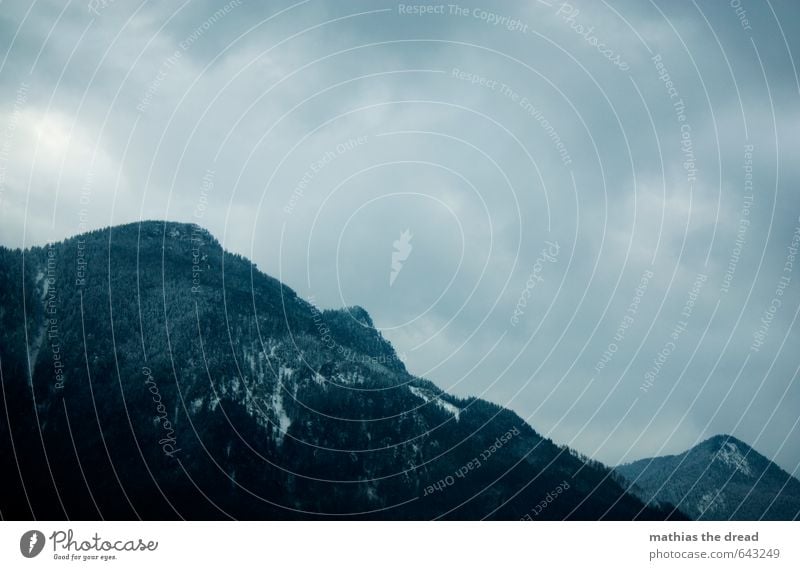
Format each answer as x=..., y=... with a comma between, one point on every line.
x=587, y=166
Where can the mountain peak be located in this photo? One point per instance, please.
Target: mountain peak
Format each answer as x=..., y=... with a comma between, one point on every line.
x=720, y=478
x=722, y=439
x=360, y=315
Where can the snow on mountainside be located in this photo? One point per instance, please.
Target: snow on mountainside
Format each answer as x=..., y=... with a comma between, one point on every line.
x=730, y=455
x=719, y=479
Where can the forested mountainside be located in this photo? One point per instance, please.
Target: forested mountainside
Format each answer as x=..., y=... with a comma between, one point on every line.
x=147, y=373
x=721, y=478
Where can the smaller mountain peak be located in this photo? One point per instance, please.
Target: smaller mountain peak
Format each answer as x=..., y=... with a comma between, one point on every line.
x=725, y=440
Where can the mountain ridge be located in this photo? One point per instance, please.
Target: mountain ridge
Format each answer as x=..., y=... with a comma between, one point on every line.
x=149, y=374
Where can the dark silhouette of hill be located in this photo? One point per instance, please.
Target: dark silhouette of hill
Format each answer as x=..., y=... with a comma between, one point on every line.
x=147, y=373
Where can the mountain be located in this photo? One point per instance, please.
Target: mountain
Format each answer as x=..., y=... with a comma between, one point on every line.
x=721, y=478
x=147, y=373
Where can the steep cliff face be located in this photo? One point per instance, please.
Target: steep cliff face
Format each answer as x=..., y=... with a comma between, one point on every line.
x=146, y=373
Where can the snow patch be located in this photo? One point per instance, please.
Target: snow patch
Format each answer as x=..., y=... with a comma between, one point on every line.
x=37, y=340
x=730, y=455
x=282, y=421
x=196, y=405
x=444, y=405
x=449, y=408
x=350, y=377
x=419, y=393
x=711, y=502
x=250, y=359
x=40, y=274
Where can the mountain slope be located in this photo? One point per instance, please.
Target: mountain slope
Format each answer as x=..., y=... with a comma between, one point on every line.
x=147, y=373
x=719, y=479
